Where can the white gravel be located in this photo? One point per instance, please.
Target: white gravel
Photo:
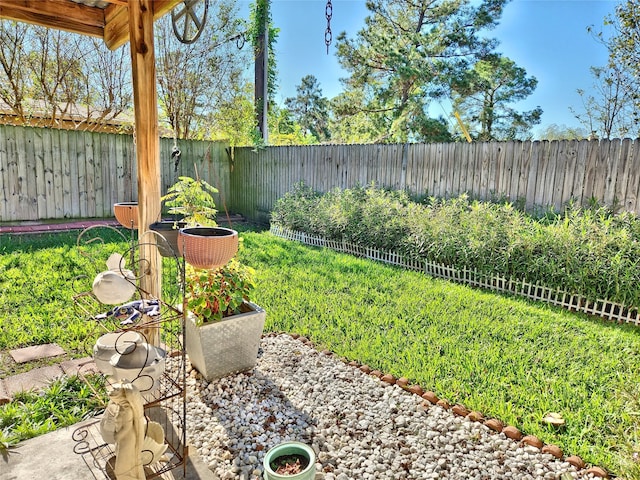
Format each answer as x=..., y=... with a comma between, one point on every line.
x=360, y=427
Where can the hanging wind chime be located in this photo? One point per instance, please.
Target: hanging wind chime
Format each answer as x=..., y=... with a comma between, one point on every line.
x=188, y=20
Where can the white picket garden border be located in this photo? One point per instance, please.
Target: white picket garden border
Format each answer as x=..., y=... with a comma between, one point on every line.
x=571, y=301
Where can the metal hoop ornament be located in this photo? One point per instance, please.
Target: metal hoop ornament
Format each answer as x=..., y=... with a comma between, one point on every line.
x=188, y=20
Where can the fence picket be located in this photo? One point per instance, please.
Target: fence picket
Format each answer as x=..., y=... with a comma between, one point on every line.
x=4, y=175
x=622, y=175
x=569, y=154
x=39, y=181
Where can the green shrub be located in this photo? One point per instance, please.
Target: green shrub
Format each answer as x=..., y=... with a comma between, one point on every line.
x=587, y=251
x=294, y=208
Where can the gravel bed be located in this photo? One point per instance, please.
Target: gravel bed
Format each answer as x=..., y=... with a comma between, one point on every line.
x=360, y=427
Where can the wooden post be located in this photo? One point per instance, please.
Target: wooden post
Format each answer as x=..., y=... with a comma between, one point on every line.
x=145, y=100
x=261, y=73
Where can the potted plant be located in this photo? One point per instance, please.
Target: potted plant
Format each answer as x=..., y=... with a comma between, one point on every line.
x=223, y=327
x=191, y=202
x=207, y=247
x=290, y=461
x=127, y=214
x=168, y=247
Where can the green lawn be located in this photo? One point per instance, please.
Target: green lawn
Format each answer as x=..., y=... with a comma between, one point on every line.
x=503, y=356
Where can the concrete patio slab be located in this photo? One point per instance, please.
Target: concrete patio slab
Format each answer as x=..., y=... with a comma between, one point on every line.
x=52, y=456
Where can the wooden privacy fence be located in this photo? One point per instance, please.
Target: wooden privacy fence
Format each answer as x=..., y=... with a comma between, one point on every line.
x=55, y=174
x=539, y=174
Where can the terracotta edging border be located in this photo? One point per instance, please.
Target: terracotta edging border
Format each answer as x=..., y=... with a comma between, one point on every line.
x=430, y=398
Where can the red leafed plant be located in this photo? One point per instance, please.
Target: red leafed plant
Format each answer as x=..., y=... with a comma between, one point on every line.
x=218, y=293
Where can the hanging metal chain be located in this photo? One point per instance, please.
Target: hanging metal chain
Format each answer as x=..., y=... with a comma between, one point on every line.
x=328, y=36
x=175, y=152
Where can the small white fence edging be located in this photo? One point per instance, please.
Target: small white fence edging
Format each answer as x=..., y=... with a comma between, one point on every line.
x=570, y=301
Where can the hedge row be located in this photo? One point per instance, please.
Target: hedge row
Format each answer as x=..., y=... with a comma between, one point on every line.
x=587, y=251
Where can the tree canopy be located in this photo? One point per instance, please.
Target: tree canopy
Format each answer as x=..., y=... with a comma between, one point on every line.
x=612, y=108
x=310, y=109
x=484, y=94
x=403, y=59
x=624, y=45
x=199, y=81
x=608, y=111
x=55, y=78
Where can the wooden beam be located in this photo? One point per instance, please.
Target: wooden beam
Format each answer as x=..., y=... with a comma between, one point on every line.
x=162, y=7
x=145, y=100
x=110, y=23
x=116, y=29
x=56, y=14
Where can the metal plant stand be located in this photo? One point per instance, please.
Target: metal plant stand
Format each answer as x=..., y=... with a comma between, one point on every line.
x=164, y=389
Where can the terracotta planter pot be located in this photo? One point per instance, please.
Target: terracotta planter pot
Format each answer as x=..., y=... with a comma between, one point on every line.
x=207, y=247
x=169, y=246
x=290, y=449
x=126, y=213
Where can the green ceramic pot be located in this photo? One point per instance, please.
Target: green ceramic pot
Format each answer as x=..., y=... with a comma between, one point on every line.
x=288, y=451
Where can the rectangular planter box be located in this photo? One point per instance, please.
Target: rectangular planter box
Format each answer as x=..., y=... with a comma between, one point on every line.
x=219, y=349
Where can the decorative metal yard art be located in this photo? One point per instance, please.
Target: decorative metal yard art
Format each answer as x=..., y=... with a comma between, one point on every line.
x=188, y=20
x=142, y=433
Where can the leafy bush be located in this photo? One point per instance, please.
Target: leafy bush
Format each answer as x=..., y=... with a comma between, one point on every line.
x=589, y=251
x=295, y=207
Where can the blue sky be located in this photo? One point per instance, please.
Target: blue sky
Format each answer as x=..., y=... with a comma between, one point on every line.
x=548, y=38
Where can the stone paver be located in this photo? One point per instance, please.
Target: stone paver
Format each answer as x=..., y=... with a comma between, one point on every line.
x=4, y=394
x=36, y=352
x=83, y=366
x=36, y=378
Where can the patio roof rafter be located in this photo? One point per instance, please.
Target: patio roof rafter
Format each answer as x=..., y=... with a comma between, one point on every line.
x=106, y=19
